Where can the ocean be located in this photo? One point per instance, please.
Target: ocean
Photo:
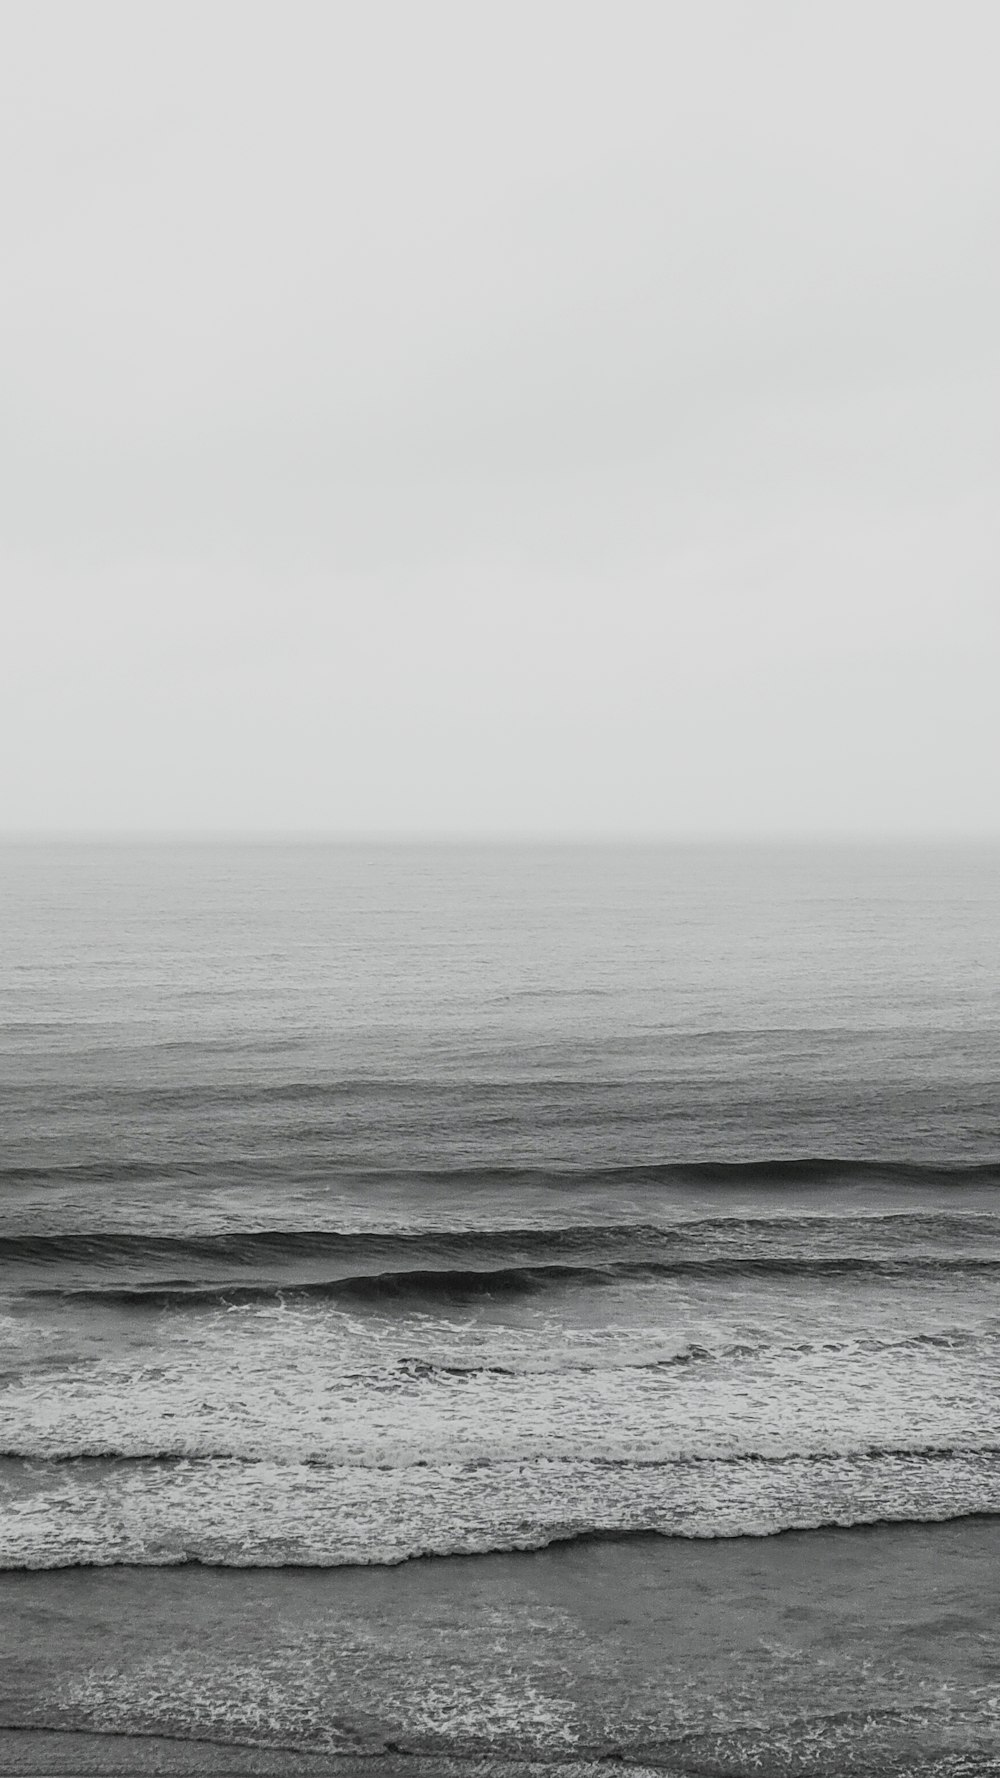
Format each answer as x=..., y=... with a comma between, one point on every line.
x=501, y=1302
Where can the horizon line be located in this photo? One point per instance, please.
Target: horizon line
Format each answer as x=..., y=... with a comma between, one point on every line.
x=500, y=837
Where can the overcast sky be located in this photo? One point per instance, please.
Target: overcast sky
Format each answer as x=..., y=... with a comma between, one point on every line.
x=495, y=417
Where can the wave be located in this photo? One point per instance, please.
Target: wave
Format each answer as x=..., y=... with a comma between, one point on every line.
x=525, y=1542
x=191, y=1458
x=223, y=1513
x=259, y=1246
x=264, y=1245
x=409, y=1368
x=779, y=1170
x=462, y=1284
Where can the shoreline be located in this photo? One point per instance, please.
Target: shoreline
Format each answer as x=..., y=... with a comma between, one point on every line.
x=53, y=1753
x=818, y=1654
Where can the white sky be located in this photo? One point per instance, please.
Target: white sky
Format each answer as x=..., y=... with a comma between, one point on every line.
x=497, y=417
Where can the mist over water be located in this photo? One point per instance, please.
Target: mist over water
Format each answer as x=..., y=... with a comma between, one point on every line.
x=176, y=1013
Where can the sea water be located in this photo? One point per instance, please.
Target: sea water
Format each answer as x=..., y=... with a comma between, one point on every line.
x=363, y=1204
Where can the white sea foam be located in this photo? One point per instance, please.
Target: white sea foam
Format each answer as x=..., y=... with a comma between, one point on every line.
x=309, y=1434
x=270, y=1514
x=302, y=1384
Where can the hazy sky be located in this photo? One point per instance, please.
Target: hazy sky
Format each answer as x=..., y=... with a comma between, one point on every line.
x=499, y=417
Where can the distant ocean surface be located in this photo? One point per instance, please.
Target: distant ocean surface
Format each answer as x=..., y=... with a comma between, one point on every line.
x=359, y=1204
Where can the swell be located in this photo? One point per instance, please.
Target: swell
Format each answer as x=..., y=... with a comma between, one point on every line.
x=461, y=1284
x=778, y=1170
x=258, y=1246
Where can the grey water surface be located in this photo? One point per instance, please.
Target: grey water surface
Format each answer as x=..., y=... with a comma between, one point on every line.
x=361, y=1204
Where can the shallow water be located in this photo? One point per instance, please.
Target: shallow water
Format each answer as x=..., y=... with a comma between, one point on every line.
x=815, y=1652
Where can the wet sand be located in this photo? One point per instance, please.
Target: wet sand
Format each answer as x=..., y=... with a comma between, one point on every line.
x=28, y=1754
x=856, y=1651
